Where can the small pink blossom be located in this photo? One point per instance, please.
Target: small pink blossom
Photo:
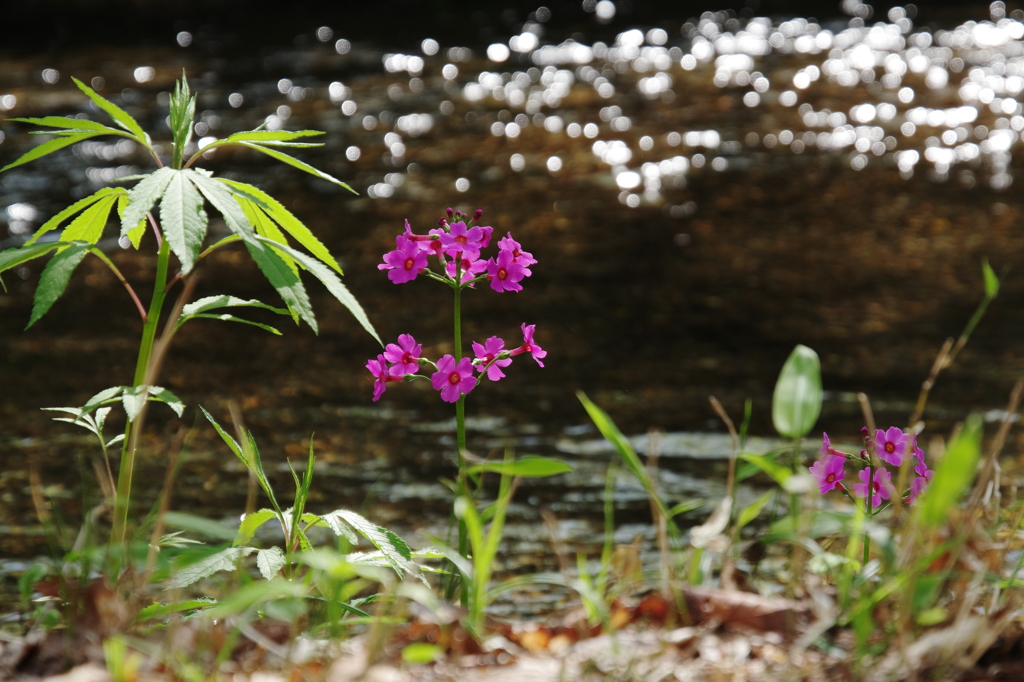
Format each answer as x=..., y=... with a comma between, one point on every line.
x=921, y=469
x=460, y=239
x=917, y=486
x=826, y=447
x=891, y=445
x=405, y=262
x=453, y=380
x=529, y=346
x=487, y=357
x=518, y=255
x=469, y=268
x=405, y=355
x=881, y=485
x=829, y=472
x=504, y=273
x=383, y=375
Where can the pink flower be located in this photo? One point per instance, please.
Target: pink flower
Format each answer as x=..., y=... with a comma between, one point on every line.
x=405, y=355
x=485, y=238
x=453, y=380
x=881, y=485
x=459, y=238
x=891, y=445
x=383, y=375
x=917, y=486
x=826, y=447
x=518, y=255
x=829, y=472
x=469, y=268
x=487, y=355
x=921, y=469
x=405, y=262
x=504, y=273
x=529, y=346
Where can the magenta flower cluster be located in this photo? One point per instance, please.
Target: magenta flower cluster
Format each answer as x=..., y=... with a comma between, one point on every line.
x=893, y=447
x=457, y=245
x=401, y=361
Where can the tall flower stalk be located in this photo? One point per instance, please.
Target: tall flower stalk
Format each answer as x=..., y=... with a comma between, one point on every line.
x=455, y=247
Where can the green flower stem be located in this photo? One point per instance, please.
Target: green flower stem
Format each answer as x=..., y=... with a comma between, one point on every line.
x=460, y=433
x=124, y=478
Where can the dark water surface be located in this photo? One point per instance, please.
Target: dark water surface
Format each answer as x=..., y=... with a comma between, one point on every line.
x=701, y=196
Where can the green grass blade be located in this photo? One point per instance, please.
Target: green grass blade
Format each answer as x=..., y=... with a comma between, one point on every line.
x=142, y=196
x=953, y=475
x=228, y=440
x=288, y=222
x=49, y=147
x=115, y=112
x=295, y=163
x=751, y=511
x=530, y=466
x=331, y=281
x=55, y=278
x=88, y=226
x=183, y=219
x=991, y=280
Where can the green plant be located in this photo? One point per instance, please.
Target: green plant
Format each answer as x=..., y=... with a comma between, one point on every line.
x=255, y=219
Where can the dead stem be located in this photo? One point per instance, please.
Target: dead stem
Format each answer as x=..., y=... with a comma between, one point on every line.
x=987, y=485
x=660, y=521
x=942, y=361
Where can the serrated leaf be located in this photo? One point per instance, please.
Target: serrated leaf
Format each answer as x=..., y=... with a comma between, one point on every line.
x=134, y=399
x=107, y=394
x=270, y=561
x=183, y=219
x=225, y=301
x=226, y=437
x=796, y=402
x=12, y=258
x=224, y=560
x=115, y=112
x=142, y=196
x=251, y=522
x=340, y=529
x=49, y=147
x=88, y=226
x=265, y=227
x=333, y=284
x=295, y=163
x=55, y=278
x=292, y=225
x=163, y=395
x=286, y=282
x=220, y=198
x=54, y=222
x=991, y=280
x=135, y=234
x=396, y=558
x=69, y=124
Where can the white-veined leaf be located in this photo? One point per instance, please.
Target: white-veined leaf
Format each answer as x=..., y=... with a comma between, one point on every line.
x=224, y=560
x=143, y=196
x=183, y=219
x=270, y=561
x=398, y=557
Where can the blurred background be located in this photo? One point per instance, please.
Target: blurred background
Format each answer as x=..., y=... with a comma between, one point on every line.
x=704, y=187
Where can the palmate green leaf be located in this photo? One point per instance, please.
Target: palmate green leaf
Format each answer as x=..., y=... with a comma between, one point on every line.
x=115, y=112
x=398, y=556
x=55, y=278
x=251, y=522
x=88, y=226
x=220, y=198
x=70, y=125
x=12, y=258
x=796, y=402
x=286, y=282
x=270, y=561
x=269, y=136
x=292, y=225
x=55, y=222
x=953, y=475
x=265, y=227
x=224, y=560
x=292, y=161
x=135, y=234
x=142, y=196
x=49, y=147
x=183, y=219
x=331, y=281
